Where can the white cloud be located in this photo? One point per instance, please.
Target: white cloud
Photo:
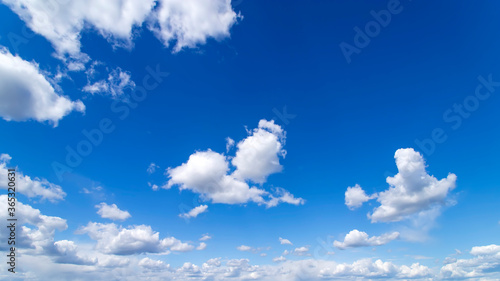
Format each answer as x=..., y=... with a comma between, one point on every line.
x=192, y=22
x=61, y=22
x=30, y=187
x=34, y=230
x=137, y=239
x=244, y=248
x=202, y=246
x=114, y=85
x=283, y=197
x=301, y=251
x=258, y=155
x=412, y=191
x=279, y=259
x=412, y=194
x=486, y=261
x=112, y=212
x=485, y=250
x=153, y=186
x=229, y=143
x=151, y=264
x=115, y=267
x=205, y=237
x=355, y=197
x=152, y=168
x=207, y=172
x=26, y=94
x=193, y=213
x=285, y=241
x=356, y=238
x=67, y=252
x=188, y=22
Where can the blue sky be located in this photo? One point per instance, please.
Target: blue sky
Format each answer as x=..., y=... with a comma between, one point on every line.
x=257, y=126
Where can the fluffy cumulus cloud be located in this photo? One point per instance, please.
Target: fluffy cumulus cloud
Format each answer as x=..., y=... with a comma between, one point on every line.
x=209, y=173
x=484, y=264
x=35, y=231
x=193, y=213
x=27, y=94
x=111, y=212
x=192, y=22
x=356, y=238
x=355, y=197
x=117, y=240
x=33, y=188
x=187, y=22
x=61, y=22
x=412, y=191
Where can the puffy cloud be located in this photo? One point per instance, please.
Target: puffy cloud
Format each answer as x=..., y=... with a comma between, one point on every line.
x=188, y=22
x=258, y=155
x=279, y=259
x=202, y=246
x=355, y=197
x=30, y=187
x=485, y=250
x=208, y=172
x=34, y=230
x=284, y=241
x=244, y=248
x=151, y=264
x=356, y=238
x=484, y=264
x=61, y=22
x=67, y=252
x=193, y=213
x=301, y=251
x=112, y=212
x=26, y=94
x=412, y=191
x=192, y=22
x=137, y=239
x=476, y=268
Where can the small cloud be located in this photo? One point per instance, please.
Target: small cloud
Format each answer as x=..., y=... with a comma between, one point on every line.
x=112, y=212
x=194, y=212
x=205, y=237
x=202, y=246
x=285, y=241
x=244, y=248
x=152, y=168
x=357, y=238
x=279, y=259
x=153, y=186
x=229, y=143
